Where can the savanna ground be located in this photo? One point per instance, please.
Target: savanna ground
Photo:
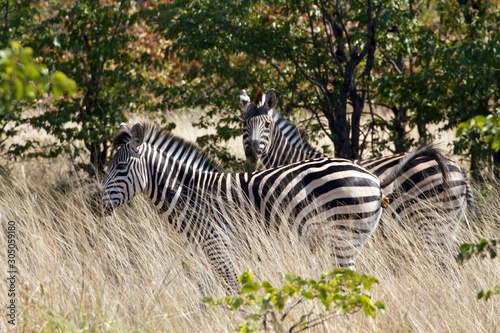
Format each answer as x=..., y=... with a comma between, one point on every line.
x=131, y=273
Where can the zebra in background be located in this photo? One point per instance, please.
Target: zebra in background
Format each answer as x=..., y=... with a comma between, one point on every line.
x=327, y=198
x=416, y=195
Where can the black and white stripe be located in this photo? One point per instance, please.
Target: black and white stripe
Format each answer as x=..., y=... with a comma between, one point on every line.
x=415, y=195
x=325, y=198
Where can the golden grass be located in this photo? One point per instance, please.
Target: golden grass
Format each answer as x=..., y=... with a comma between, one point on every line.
x=132, y=273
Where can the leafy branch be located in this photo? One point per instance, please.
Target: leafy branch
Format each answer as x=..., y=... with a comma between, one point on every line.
x=340, y=291
x=482, y=249
x=488, y=128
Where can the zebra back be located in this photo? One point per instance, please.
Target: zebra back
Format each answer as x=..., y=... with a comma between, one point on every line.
x=426, y=180
x=324, y=198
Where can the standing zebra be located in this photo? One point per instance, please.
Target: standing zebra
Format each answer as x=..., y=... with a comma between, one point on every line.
x=270, y=140
x=327, y=198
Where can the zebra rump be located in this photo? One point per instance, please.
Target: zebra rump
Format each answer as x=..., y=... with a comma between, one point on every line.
x=428, y=183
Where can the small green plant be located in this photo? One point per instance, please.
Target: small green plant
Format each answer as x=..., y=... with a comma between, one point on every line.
x=485, y=247
x=340, y=291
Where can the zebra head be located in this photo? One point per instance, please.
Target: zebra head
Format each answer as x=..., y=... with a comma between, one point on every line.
x=258, y=125
x=125, y=176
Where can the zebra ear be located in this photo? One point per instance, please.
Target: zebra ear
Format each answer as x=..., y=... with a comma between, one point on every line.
x=259, y=99
x=271, y=99
x=122, y=136
x=137, y=135
x=244, y=98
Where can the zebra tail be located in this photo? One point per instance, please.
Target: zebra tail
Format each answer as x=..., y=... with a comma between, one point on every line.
x=471, y=206
x=425, y=150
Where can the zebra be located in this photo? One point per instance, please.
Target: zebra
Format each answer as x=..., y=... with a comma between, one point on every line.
x=329, y=198
x=270, y=140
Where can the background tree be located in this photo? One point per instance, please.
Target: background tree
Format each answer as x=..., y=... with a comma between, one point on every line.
x=90, y=41
x=18, y=16
x=21, y=82
x=108, y=50
x=469, y=64
x=488, y=130
x=412, y=63
x=409, y=59
x=318, y=54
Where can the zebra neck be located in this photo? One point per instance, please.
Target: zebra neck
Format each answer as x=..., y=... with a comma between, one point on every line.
x=296, y=139
x=166, y=176
x=175, y=186
x=283, y=151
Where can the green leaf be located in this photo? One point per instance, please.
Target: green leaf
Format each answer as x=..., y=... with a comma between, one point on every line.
x=250, y=287
x=19, y=89
x=32, y=71
x=235, y=302
x=61, y=85
x=368, y=282
x=207, y=300
x=245, y=277
x=279, y=301
x=268, y=288
x=480, y=121
x=495, y=144
x=380, y=305
x=308, y=294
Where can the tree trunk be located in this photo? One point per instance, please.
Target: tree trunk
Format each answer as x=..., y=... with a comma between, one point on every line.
x=5, y=37
x=496, y=164
x=399, y=123
x=340, y=129
x=475, y=165
x=357, y=105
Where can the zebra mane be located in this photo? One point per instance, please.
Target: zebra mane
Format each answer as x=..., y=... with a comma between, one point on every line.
x=155, y=136
x=122, y=137
x=296, y=137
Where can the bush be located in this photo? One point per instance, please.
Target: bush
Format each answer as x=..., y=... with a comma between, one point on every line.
x=340, y=291
x=22, y=80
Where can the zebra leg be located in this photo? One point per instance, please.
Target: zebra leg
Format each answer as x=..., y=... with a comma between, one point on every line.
x=343, y=250
x=338, y=239
x=217, y=251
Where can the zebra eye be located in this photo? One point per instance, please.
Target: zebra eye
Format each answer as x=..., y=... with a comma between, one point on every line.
x=121, y=165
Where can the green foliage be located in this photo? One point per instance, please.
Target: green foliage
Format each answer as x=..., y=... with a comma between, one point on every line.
x=340, y=291
x=468, y=68
x=482, y=249
x=487, y=127
x=436, y=73
x=18, y=17
x=22, y=80
x=106, y=49
x=421, y=63
x=485, y=248
x=432, y=63
x=281, y=44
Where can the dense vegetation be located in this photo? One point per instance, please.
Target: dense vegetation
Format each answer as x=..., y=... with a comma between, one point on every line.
x=363, y=74
x=131, y=272
x=402, y=65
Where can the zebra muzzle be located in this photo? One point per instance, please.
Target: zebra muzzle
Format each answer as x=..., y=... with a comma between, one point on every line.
x=108, y=210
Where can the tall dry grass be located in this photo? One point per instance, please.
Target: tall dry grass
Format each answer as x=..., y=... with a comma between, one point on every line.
x=132, y=273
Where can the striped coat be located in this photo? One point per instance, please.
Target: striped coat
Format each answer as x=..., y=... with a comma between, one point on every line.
x=429, y=183
x=325, y=198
